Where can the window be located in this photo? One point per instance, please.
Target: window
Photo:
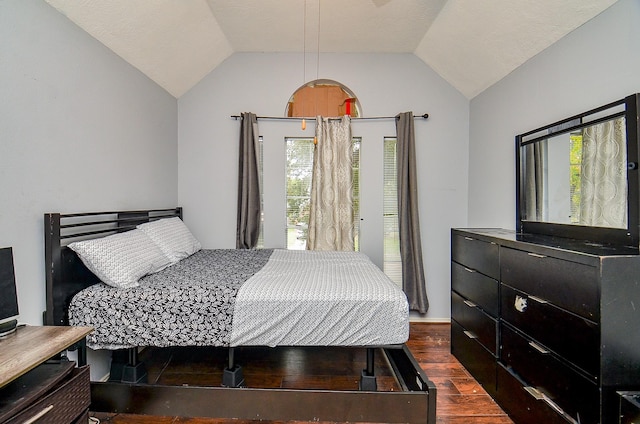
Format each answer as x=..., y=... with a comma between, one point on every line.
x=575, y=166
x=392, y=264
x=299, y=168
x=260, y=172
x=323, y=97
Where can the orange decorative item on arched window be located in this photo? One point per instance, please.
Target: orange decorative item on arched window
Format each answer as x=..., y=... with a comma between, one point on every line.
x=325, y=98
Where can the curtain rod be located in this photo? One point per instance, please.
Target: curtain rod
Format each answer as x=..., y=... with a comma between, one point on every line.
x=294, y=118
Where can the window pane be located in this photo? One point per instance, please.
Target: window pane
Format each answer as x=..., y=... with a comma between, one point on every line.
x=356, y=193
x=392, y=265
x=299, y=169
x=260, y=162
x=575, y=168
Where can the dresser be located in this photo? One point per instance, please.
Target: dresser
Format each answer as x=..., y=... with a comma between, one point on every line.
x=549, y=326
x=37, y=385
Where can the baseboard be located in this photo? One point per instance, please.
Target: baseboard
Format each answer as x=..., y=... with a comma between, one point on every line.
x=431, y=320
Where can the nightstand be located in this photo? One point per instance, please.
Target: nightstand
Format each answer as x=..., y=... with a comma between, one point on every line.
x=36, y=385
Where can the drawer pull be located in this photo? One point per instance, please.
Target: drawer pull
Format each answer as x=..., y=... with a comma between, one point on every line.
x=470, y=334
x=469, y=238
x=470, y=304
x=469, y=270
x=559, y=410
x=538, y=395
x=538, y=299
x=535, y=255
x=539, y=348
x=39, y=415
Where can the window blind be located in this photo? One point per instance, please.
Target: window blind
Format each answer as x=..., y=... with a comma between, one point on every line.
x=392, y=265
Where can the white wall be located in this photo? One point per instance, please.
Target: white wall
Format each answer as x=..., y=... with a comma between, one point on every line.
x=385, y=84
x=80, y=130
x=595, y=64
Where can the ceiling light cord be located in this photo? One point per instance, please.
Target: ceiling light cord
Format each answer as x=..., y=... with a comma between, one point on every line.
x=318, y=42
x=304, y=58
x=315, y=138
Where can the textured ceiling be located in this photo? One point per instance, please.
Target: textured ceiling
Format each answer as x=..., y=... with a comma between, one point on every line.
x=471, y=43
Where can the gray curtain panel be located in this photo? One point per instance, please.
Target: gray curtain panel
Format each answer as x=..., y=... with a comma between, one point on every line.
x=413, y=280
x=534, y=180
x=248, y=228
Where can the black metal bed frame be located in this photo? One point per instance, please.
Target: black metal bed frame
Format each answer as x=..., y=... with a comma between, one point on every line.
x=66, y=275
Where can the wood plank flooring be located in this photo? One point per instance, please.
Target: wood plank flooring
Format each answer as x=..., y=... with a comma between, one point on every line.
x=460, y=399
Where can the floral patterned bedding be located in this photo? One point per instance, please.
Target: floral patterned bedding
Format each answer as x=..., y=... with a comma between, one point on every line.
x=190, y=303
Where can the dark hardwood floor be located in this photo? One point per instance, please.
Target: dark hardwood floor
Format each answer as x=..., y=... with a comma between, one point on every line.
x=460, y=399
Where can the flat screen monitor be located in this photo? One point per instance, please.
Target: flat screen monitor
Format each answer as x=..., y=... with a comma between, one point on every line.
x=8, y=293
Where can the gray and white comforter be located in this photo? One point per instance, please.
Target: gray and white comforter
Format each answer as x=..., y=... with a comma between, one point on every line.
x=263, y=297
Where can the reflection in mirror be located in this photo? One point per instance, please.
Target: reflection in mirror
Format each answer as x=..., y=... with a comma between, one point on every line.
x=577, y=177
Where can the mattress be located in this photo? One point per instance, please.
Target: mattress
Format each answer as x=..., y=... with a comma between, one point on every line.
x=229, y=297
x=318, y=298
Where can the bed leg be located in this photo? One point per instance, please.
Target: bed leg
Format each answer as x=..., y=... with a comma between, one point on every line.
x=127, y=368
x=367, y=377
x=232, y=375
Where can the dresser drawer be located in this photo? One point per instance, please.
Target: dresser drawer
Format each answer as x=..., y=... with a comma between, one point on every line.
x=474, y=357
x=568, y=335
x=539, y=368
x=63, y=405
x=477, y=287
x=521, y=406
x=570, y=285
x=478, y=324
x=629, y=407
x=476, y=254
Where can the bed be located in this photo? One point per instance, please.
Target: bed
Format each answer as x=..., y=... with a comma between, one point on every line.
x=231, y=298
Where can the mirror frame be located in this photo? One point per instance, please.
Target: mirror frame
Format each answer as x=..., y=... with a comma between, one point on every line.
x=630, y=236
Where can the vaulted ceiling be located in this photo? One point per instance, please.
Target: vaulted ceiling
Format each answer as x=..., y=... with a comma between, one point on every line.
x=470, y=43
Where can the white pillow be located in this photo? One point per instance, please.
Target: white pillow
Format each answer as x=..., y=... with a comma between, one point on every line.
x=173, y=237
x=120, y=260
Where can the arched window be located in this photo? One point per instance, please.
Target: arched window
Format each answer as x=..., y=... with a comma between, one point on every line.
x=323, y=97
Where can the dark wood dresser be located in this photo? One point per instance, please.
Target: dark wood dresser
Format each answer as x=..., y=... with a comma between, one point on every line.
x=38, y=386
x=548, y=325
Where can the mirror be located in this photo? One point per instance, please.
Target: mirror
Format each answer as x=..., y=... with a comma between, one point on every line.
x=578, y=177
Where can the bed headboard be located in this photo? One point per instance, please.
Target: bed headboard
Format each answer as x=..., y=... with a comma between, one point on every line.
x=65, y=273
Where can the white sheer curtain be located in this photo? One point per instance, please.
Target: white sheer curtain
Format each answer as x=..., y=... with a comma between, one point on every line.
x=603, y=200
x=331, y=212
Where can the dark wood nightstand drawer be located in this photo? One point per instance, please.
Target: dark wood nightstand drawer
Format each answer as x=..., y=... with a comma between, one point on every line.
x=63, y=405
x=30, y=387
x=539, y=368
x=476, y=254
x=475, y=322
x=570, y=336
x=570, y=285
x=477, y=287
